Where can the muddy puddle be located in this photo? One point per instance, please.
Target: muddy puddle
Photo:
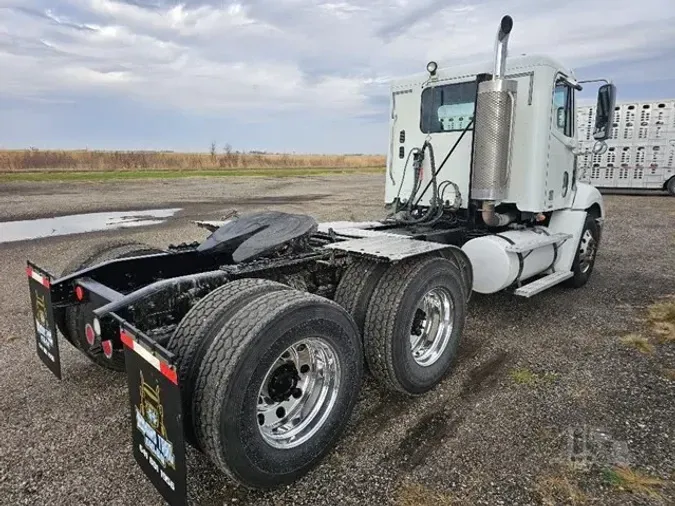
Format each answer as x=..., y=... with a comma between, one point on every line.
x=22, y=230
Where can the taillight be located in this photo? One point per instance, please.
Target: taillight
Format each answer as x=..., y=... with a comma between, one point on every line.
x=89, y=334
x=107, y=348
x=79, y=293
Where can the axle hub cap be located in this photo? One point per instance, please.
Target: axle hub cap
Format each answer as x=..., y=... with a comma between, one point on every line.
x=432, y=326
x=587, y=250
x=283, y=382
x=298, y=393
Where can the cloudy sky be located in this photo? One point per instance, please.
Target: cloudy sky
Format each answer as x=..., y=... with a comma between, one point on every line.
x=283, y=75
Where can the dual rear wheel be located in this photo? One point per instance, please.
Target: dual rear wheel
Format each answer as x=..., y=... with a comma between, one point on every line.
x=269, y=375
x=411, y=315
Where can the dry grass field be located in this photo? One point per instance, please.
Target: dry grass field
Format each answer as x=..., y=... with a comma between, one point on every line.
x=35, y=160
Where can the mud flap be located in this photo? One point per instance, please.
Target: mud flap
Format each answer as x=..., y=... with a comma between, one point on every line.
x=157, y=419
x=47, y=341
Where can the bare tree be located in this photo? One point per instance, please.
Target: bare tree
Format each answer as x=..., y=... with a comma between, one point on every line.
x=213, y=151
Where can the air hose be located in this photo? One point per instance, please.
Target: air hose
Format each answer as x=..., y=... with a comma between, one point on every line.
x=435, y=210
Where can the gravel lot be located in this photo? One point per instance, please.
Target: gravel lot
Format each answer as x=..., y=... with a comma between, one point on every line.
x=545, y=398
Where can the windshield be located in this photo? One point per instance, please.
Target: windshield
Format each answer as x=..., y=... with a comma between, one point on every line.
x=448, y=108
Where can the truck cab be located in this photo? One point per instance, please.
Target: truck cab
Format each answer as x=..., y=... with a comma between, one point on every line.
x=440, y=107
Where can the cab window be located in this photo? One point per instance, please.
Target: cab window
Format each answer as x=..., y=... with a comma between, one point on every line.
x=562, y=108
x=448, y=108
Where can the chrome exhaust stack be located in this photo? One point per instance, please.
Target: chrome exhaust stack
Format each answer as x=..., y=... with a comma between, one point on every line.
x=501, y=46
x=495, y=109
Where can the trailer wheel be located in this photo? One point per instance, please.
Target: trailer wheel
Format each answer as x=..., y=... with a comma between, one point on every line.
x=200, y=326
x=356, y=286
x=277, y=387
x=414, y=323
x=584, y=260
x=71, y=321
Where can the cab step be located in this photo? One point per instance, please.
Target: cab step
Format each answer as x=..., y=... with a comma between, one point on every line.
x=542, y=284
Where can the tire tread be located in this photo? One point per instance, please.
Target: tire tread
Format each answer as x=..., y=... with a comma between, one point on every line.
x=358, y=283
x=223, y=356
x=200, y=326
x=381, y=318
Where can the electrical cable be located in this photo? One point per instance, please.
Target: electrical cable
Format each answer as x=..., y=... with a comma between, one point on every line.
x=466, y=129
x=432, y=212
x=405, y=168
x=436, y=209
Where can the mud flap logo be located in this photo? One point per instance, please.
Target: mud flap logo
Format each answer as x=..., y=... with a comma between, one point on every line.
x=46, y=339
x=45, y=336
x=150, y=423
x=156, y=416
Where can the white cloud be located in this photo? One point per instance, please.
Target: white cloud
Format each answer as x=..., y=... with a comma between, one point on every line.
x=330, y=57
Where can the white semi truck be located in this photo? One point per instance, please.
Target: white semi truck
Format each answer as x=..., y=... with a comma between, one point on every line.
x=251, y=345
x=640, y=151
x=507, y=132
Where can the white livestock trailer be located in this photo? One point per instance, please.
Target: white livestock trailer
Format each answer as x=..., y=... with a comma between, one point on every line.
x=640, y=150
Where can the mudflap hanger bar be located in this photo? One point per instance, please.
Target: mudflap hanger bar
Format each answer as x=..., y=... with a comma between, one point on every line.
x=156, y=413
x=143, y=267
x=162, y=297
x=163, y=291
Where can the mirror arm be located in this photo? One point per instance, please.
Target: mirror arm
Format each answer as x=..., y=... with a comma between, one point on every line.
x=594, y=81
x=571, y=82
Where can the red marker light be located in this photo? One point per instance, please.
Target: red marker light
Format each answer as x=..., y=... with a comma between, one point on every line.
x=89, y=334
x=107, y=348
x=79, y=293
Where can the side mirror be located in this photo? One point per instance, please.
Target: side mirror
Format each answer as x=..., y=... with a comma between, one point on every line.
x=604, y=112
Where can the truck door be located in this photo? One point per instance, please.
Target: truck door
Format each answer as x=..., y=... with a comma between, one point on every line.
x=561, y=163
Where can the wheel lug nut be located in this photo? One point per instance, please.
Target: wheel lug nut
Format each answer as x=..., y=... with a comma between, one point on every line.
x=296, y=393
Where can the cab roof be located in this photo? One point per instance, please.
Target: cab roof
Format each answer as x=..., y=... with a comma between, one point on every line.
x=514, y=65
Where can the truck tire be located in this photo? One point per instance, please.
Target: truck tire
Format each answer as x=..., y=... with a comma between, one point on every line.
x=414, y=324
x=71, y=321
x=200, y=326
x=277, y=387
x=356, y=287
x=670, y=186
x=464, y=268
x=584, y=260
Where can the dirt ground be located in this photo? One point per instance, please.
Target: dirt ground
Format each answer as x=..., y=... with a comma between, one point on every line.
x=549, y=402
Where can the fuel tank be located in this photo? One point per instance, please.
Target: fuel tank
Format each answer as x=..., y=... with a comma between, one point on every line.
x=496, y=268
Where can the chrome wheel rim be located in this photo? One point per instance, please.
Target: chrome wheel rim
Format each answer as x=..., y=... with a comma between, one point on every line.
x=298, y=393
x=432, y=326
x=587, y=249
